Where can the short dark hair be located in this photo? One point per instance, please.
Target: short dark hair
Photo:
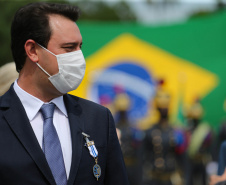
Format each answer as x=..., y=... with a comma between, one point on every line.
x=32, y=22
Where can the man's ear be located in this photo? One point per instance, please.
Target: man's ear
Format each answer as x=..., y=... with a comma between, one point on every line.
x=30, y=48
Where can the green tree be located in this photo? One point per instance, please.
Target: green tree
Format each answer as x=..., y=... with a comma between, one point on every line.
x=100, y=11
x=92, y=11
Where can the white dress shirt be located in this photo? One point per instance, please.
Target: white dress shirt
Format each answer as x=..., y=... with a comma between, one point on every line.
x=32, y=106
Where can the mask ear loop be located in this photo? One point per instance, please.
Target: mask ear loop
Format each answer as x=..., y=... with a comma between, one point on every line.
x=43, y=70
x=45, y=49
x=39, y=64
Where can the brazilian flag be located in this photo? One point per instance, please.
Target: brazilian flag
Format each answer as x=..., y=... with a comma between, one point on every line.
x=130, y=57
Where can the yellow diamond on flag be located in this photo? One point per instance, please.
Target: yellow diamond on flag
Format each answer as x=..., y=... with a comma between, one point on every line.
x=181, y=76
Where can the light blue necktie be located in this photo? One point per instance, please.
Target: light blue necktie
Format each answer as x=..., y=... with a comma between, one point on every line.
x=51, y=145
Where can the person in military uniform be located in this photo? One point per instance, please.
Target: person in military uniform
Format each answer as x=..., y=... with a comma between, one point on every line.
x=200, y=137
x=130, y=139
x=161, y=142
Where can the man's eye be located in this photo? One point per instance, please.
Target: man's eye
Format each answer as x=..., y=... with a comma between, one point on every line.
x=68, y=48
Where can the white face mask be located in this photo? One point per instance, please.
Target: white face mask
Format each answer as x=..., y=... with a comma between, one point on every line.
x=71, y=66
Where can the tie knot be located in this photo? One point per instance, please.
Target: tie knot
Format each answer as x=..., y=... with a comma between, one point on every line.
x=47, y=110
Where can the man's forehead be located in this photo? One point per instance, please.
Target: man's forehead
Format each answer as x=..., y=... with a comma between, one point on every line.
x=61, y=23
x=64, y=29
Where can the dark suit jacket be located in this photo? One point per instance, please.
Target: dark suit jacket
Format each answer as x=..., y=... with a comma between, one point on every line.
x=22, y=161
x=221, y=183
x=222, y=159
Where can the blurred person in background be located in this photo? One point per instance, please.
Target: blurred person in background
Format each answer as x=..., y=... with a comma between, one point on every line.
x=221, y=133
x=222, y=128
x=130, y=138
x=220, y=179
x=220, y=137
x=200, y=137
x=162, y=145
x=8, y=75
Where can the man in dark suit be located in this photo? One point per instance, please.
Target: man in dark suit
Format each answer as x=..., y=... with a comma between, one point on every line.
x=47, y=136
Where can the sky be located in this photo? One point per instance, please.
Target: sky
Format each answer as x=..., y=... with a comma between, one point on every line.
x=187, y=1
x=155, y=14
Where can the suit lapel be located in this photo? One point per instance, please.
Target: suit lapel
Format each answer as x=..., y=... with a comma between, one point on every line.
x=77, y=126
x=17, y=119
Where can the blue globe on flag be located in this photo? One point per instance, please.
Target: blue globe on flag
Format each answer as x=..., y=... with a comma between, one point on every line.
x=127, y=77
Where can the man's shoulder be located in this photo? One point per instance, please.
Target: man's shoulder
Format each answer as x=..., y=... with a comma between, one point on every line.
x=85, y=103
x=8, y=97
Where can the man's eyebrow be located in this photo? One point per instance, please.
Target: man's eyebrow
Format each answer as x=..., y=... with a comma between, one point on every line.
x=71, y=44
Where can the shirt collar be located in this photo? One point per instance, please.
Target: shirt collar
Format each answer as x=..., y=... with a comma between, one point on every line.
x=32, y=104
